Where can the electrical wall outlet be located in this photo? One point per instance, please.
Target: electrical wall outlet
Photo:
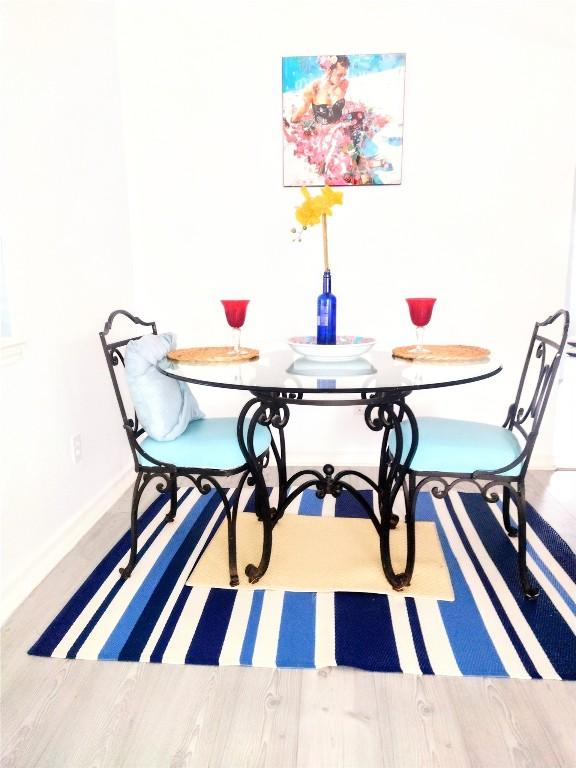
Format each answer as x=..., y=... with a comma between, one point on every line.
x=76, y=448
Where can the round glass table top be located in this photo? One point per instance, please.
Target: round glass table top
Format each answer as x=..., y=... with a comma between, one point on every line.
x=283, y=371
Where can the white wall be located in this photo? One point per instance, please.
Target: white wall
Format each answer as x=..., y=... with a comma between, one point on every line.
x=481, y=220
x=565, y=421
x=67, y=261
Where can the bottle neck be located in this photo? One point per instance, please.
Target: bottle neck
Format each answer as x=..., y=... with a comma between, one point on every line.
x=327, y=282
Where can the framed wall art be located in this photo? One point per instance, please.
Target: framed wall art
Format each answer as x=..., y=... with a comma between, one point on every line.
x=343, y=119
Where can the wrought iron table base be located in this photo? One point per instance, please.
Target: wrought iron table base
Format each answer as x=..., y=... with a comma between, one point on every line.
x=383, y=412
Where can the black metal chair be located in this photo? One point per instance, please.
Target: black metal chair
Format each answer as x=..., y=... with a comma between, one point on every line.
x=448, y=451
x=212, y=439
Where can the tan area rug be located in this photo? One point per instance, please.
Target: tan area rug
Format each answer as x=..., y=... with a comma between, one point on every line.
x=325, y=554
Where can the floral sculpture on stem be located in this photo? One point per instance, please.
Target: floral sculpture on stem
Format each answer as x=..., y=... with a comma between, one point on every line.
x=314, y=210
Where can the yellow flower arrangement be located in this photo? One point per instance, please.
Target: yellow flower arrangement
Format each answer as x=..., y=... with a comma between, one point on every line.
x=315, y=209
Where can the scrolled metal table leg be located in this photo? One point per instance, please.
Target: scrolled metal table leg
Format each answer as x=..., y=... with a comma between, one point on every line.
x=271, y=411
x=386, y=414
x=232, y=512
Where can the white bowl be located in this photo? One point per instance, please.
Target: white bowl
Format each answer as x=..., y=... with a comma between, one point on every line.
x=346, y=348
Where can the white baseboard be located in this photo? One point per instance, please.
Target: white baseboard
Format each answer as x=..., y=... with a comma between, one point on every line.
x=370, y=459
x=360, y=459
x=58, y=546
x=543, y=461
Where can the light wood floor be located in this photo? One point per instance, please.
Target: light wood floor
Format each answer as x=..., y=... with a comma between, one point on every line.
x=81, y=714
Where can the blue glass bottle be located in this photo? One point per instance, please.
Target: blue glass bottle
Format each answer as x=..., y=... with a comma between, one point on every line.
x=326, y=313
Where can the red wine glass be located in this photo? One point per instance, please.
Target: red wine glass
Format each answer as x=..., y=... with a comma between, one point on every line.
x=420, y=314
x=235, y=315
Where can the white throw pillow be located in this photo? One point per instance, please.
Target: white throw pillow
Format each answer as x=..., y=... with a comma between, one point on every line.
x=164, y=406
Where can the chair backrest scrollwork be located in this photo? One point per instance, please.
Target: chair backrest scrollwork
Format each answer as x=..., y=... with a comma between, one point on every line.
x=540, y=368
x=114, y=353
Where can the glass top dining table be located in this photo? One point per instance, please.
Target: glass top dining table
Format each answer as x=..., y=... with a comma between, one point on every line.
x=280, y=379
x=282, y=371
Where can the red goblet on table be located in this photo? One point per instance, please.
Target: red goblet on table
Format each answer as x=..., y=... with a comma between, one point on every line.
x=420, y=314
x=235, y=310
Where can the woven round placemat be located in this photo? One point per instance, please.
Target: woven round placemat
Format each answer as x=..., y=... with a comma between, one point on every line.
x=442, y=353
x=212, y=355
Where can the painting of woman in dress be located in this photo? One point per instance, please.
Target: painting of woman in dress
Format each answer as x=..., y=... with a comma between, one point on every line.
x=343, y=119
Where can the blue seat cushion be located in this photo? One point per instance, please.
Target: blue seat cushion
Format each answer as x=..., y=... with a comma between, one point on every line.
x=453, y=446
x=205, y=443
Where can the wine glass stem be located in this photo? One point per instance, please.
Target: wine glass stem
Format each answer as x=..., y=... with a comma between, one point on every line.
x=419, y=338
x=237, y=347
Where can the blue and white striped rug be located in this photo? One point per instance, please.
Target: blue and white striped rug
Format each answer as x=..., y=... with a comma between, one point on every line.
x=489, y=629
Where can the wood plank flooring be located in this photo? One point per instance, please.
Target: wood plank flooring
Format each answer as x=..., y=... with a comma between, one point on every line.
x=81, y=714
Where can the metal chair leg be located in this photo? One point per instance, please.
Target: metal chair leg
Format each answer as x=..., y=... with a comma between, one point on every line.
x=136, y=493
x=232, y=515
x=510, y=529
x=406, y=492
x=410, y=529
x=530, y=591
x=173, y=498
x=232, y=560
